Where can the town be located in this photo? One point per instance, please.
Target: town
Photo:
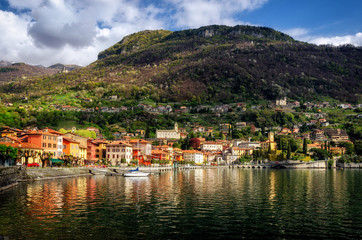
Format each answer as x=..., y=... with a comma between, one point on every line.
x=225, y=144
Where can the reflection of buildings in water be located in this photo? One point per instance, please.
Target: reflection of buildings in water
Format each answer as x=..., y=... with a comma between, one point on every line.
x=91, y=190
x=137, y=189
x=272, y=183
x=44, y=200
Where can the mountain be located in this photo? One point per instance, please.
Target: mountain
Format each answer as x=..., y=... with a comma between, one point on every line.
x=4, y=63
x=62, y=67
x=212, y=64
x=15, y=71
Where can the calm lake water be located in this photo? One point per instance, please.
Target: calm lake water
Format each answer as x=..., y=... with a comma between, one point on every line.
x=204, y=203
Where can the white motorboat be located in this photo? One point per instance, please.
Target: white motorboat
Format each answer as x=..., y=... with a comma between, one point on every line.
x=136, y=174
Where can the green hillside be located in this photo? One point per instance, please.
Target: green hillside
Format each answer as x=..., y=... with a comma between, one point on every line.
x=209, y=64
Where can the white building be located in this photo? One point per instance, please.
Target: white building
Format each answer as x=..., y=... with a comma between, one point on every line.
x=168, y=134
x=118, y=150
x=193, y=156
x=144, y=146
x=211, y=146
x=249, y=144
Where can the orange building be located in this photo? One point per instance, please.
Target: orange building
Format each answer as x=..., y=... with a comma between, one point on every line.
x=45, y=140
x=70, y=147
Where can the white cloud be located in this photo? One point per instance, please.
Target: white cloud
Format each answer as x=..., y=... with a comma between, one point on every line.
x=339, y=40
x=75, y=31
x=196, y=13
x=305, y=35
x=297, y=33
x=13, y=35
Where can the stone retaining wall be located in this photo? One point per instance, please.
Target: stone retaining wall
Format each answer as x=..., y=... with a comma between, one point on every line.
x=350, y=165
x=45, y=173
x=9, y=176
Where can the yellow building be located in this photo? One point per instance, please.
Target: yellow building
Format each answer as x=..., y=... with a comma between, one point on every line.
x=9, y=132
x=82, y=141
x=70, y=147
x=264, y=146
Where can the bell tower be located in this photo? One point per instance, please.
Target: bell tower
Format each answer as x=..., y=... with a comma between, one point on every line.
x=176, y=127
x=271, y=136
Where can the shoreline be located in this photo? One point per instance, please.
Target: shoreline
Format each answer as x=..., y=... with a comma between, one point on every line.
x=36, y=174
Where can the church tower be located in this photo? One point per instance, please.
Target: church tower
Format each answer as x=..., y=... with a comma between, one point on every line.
x=176, y=127
x=271, y=136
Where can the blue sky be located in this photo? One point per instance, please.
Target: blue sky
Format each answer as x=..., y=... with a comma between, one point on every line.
x=75, y=31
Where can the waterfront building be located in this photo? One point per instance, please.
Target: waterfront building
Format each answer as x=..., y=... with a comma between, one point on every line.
x=82, y=144
x=59, y=135
x=101, y=149
x=193, y=156
x=118, y=150
x=144, y=146
x=91, y=152
x=264, y=145
x=70, y=147
x=29, y=150
x=43, y=139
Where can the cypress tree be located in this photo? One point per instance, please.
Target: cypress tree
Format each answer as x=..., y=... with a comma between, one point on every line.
x=305, y=146
x=288, y=151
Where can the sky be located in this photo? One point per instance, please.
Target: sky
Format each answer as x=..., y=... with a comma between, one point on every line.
x=46, y=32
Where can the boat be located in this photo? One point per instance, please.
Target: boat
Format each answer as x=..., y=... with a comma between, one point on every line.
x=136, y=172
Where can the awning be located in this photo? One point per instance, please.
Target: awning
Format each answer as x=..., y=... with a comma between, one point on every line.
x=55, y=160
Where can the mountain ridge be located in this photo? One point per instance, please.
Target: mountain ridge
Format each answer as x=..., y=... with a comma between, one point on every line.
x=213, y=64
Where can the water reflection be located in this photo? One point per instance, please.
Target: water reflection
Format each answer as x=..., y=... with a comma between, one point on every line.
x=212, y=203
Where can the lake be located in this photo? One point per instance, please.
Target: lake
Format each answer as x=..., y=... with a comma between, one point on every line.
x=217, y=203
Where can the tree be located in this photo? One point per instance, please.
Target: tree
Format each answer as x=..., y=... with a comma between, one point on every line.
x=176, y=145
x=26, y=154
x=319, y=154
x=305, y=146
x=358, y=147
x=195, y=143
x=66, y=159
x=8, y=154
x=349, y=147
x=288, y=151
x=45, y=158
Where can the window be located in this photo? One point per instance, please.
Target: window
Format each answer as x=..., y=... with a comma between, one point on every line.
x=49, y=145
x=108, y=156
x=44, y=137
x=54, y=138
x=64, y=146
x=44, y=145
x=72, y=146
x=50, y=138
x=54, y=146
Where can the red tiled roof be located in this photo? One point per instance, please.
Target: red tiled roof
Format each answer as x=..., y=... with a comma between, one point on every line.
x=21, y=145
